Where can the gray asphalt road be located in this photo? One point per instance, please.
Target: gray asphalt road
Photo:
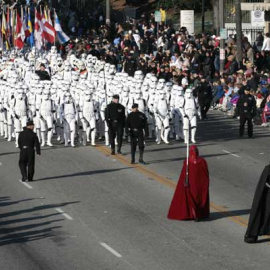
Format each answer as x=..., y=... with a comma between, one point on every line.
x=88, y=210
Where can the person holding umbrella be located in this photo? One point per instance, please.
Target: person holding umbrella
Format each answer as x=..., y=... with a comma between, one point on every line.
x=191, y=197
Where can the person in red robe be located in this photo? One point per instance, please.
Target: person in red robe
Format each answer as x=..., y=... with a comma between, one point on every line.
x=191, y=197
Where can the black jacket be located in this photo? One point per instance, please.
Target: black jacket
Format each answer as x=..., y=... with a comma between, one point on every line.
x=29, y=140
x=247, y=105
x=43, y=75
x=115, y=114
x=259, y=220
x=135, y=124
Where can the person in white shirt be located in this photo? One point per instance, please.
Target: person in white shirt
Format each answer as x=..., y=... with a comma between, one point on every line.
x=266, y=43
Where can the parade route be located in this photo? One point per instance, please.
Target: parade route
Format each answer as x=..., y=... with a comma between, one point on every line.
x=87, y=209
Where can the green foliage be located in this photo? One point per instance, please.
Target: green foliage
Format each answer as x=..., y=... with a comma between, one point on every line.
x=183, y=4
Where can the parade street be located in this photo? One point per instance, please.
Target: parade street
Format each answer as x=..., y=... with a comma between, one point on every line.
x=89, y=210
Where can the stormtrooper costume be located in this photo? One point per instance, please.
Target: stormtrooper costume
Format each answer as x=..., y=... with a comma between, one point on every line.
x=69, y=116
x=19, y=113
x=47, y=109
x=189, y=112
x=88, y=117
x=162, y=117
x=177, y=103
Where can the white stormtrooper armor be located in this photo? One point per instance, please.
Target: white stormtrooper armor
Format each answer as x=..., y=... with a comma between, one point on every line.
x=69, y=117
x=47, y=109
x=162, y=116
x=190, y=110
x=177, y=104
x=19, y=113
x=88, y=117
x=39, y=90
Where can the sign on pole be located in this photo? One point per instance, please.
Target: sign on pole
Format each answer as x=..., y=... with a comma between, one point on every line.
x=157, y=16
x=257, y=18
x=187, y=20
x=223, y=33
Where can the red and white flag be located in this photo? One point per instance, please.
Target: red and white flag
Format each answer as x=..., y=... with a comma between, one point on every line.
x=45, y=28
x=20, y=34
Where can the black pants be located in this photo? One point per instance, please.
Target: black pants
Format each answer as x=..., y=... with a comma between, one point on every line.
x=27, y=163
x=116, y=130
x=243, y=119
x=204, y=105
x=134, y=141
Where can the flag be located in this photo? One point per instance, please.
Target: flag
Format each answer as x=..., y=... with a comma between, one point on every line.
x=25, y=28
x=20, y=34
x=62, y=37
x=38, y=31
x=4, y=23
x=46, y=29
x=30, y=28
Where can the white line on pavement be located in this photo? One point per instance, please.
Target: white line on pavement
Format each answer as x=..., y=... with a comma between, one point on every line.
x=26, y=184
x=59, y=210
x=0, y=163
x=231, y=153
x=115, y=253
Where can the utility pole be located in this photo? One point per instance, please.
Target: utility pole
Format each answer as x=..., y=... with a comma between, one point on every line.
x=222, y=41
x=238, y=21
x=108, y=12
x=203, y=15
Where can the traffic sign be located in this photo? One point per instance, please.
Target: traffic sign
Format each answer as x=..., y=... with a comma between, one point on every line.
x=157, y=16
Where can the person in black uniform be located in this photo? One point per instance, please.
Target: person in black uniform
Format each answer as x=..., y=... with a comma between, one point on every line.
x=115, y=118
x=247, y=109
x=136, y=127
x=204, y=97
x=28, y=141
x=42, y=73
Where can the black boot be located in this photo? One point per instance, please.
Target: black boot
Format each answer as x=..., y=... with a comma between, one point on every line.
x=119, y=151
x=113, y=152
x=251, y=239
x=141, y=158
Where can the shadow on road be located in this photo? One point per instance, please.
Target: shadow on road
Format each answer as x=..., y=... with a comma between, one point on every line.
x=225, y=214
x=29, y=231
x=81, y=174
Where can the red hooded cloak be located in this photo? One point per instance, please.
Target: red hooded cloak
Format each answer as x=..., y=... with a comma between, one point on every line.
x=191, y=201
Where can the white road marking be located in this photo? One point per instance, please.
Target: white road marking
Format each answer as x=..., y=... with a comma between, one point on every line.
x=26, y=184
x=231, y=153
x=0, y=163
x=59, y=210
x=115, y=253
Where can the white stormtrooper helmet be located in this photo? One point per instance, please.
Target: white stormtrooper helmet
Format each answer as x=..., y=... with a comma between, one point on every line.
x=20, y=93
x=75, y=76
x=53, y=50
x=88, y=95
x=59, y=61
x=46, y=94
x=189, y=93
x=138, y=94
x=112, y=70
x=180, y=91
x=68, y=97
x=161, y=95
x=125, y=91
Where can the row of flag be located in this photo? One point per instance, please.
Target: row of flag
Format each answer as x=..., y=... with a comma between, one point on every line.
x=16, y=29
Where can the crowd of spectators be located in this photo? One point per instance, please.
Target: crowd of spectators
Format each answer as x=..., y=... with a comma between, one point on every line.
x=177, y=56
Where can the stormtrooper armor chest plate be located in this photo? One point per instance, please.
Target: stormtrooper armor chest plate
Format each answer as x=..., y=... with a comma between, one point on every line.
x=69, y=110
x=46, y=108
x=88, y=109
x=20, y=107
x=162, y=108
x=190, y=108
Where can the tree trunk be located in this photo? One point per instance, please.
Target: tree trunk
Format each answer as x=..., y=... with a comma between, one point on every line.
x=215, y=17
x=238, y=21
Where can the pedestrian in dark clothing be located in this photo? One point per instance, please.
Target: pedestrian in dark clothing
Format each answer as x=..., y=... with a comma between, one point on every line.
x=204, y=97
x=28, y=142
x=247, y=110
x=259, y=220
x=136, y=128
x=115, y=119
x=43, y=74
x=130, y=65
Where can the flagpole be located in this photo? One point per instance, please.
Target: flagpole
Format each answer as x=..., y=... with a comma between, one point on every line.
x=54, y=26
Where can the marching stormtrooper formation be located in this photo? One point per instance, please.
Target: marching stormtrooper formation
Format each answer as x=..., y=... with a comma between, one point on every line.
x=72, y=105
